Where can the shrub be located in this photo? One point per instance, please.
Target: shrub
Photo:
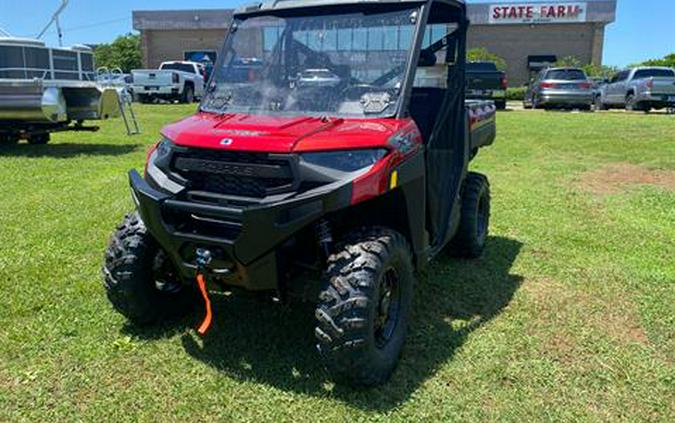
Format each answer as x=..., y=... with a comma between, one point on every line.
x=516, y=93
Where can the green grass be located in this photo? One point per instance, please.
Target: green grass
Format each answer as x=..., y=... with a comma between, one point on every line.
x=569, y=316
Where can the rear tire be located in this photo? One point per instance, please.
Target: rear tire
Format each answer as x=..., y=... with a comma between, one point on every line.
x=188, y=95
x=364, y=306
x=143, y=99
x=140, y=281
x=472, y=234
x=501, y=105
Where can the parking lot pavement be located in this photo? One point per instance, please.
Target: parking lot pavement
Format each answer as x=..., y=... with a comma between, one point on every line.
x=518, y=106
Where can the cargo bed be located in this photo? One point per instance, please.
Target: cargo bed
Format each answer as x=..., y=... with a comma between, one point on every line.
x=482, y=123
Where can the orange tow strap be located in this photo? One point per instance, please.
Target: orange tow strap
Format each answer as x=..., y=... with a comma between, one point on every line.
x=206, y=324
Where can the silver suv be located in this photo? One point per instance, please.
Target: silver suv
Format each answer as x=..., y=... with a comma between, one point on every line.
x=560, y=88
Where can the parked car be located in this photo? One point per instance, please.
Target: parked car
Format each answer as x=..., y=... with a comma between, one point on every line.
x=642, y=88
x=560, y=88
x=182, y=81
x=485, y=82
x=333, y=195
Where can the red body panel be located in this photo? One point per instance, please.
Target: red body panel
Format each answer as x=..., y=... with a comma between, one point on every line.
x=270, y=134
x=282, y=134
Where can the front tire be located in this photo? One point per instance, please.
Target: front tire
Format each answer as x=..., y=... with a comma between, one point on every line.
x=632, y=104
x=140, y=281
x=474, y=226
x=364, y=307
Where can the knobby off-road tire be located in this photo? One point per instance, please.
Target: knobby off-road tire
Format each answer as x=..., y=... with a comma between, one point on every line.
x=364, y=307
x=469, y=242
x=140, y=281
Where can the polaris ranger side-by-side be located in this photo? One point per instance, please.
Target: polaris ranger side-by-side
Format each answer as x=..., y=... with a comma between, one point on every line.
x=340, y=159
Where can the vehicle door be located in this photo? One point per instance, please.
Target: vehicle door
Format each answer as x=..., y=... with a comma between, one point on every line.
x=443, y=109
x=606, y=91
x=619, y=88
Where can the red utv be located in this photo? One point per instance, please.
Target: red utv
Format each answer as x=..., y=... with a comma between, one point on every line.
x=340, y=159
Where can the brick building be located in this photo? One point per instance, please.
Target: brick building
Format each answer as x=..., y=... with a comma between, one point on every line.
x=528, y=35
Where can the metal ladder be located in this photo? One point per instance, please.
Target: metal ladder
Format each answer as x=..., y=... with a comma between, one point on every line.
x=125, y=99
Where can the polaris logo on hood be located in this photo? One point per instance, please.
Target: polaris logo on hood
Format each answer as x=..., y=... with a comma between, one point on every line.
x=226, y=141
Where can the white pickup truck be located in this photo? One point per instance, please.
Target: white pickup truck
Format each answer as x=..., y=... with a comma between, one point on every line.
x=182, y=81
x=642, y=89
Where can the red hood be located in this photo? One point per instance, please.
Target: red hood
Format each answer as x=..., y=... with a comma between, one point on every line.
x=281, y=134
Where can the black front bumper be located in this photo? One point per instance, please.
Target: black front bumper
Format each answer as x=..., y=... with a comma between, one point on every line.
x=247, y=236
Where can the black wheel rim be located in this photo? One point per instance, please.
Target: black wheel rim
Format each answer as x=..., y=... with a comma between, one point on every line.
x=388, y=307
x=482, y=219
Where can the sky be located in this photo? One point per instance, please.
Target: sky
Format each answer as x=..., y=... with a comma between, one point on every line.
x=643, y=29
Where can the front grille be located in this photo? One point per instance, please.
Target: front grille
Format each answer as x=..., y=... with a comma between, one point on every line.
x=240, y=174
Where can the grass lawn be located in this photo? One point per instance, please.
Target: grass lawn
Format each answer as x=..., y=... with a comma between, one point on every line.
x=569, y=316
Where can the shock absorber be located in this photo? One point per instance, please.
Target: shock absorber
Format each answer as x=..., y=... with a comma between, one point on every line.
x=325, y=237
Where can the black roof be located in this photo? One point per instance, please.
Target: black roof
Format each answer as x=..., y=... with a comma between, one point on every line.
x=273, y=5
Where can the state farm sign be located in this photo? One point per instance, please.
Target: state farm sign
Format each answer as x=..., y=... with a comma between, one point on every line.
x=525, y=13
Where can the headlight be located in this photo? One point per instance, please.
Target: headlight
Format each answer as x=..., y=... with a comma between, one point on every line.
x=162, y=155
x=164, y=148
x=157, y=168
x=346, y=161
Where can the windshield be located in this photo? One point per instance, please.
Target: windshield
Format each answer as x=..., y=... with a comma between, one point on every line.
x=348, y=65
x=566, y=75
x=654, y=73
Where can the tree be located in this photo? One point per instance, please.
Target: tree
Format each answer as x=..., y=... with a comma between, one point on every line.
x=599, y=70
x=568, y=62
x=590, y=69
x=668, y=61
x=123, y=53
x=484, y=55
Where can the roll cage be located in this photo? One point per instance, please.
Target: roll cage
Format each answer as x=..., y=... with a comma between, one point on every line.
x=439, y=112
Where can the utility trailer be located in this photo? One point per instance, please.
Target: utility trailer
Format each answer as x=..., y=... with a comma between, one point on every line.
x=45, y=90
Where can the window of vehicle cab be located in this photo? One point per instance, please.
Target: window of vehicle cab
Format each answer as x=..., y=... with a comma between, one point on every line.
x=344, y=65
